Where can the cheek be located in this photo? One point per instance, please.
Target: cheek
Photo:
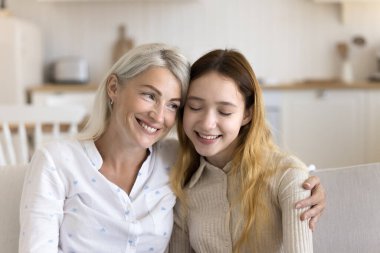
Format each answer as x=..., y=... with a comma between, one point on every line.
x=187, y=121
x=232, y=126
x=171, y=119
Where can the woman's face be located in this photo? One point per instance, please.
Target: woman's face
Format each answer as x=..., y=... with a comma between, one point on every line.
x=145, y=107
x=214, y=113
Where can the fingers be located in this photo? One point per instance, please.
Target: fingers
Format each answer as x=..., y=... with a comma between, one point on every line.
x=311, y=182
x=315, y=211
x=318, y=197
x=313, y=222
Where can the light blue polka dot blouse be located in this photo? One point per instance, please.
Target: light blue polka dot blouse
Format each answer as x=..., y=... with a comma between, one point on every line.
x=68, y=206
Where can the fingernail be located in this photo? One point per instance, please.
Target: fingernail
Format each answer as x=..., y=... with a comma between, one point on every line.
x=298, y=206
x=307, y=185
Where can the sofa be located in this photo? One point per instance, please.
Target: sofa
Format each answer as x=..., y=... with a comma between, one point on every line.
x=11, y=181
x=350, y=223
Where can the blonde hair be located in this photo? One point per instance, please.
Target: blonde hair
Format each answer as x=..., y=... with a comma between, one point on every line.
x=249, y=164
x=131, y=64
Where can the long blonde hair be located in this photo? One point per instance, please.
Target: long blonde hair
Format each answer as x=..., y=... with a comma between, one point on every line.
x=249, y=164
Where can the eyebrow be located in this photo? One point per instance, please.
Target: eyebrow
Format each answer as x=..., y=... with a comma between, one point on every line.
x=159, y=92
x=202, y=100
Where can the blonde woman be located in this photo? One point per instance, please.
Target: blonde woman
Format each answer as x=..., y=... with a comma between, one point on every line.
x=236, y=190
x=108, y=190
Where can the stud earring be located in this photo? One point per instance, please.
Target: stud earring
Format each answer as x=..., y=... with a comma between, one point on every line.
x=110, y=104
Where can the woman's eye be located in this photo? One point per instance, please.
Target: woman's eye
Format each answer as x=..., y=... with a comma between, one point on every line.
x=149, y=96
x=173, y=107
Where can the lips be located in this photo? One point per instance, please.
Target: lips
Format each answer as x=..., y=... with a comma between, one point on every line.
x=208, y=137
x=148, y=128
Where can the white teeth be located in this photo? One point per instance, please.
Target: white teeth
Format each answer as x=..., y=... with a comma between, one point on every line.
x=148, y=128
x=209, y=137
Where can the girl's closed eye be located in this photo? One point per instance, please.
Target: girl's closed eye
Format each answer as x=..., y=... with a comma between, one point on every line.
x=224, y=113
x=194, y=107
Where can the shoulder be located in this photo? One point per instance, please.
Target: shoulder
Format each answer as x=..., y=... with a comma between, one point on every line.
x=290, y=172
x=61, y=145
x=58, y=150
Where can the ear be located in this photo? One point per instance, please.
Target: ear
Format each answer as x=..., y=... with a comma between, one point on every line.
x=247, y=116
x=112, y=86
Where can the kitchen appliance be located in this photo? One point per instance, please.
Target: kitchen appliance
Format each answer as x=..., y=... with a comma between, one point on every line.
x=70, y=70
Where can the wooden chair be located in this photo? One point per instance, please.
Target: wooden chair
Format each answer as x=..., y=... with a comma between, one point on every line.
x=23, y=128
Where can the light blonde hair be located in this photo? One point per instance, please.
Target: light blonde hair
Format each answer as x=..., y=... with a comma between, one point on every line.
x=249, y=164
x=131, y=64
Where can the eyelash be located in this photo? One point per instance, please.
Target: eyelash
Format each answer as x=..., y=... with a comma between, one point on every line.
x=174, y=107
x=224, y=114
x=193, y=108
x=149, y=96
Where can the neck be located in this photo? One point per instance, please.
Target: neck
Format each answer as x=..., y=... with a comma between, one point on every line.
x=118, y=155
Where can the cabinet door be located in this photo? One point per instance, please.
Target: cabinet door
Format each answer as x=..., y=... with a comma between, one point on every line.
x=273, y=108
x=84, y=99
x=325, y=127
x=373, y=137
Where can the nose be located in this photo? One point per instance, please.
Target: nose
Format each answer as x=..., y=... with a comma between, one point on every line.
x=208, y=121
x=157, y=113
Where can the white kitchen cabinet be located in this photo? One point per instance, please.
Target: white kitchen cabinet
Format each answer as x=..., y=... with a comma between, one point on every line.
x=325, y=127
x=58, y=95
x=328, y=127
x=373, y=133
x=346, y=6
x=20, y=58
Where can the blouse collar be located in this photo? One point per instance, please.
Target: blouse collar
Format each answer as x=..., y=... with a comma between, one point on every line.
x=204, y=164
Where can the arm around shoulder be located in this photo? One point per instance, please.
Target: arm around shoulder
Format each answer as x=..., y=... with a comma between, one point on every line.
x=297, y=236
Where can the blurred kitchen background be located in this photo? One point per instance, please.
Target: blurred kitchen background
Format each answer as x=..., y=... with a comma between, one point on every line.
x=317, y=60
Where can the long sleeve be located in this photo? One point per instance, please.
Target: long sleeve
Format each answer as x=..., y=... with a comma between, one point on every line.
x=297, y=237
x=41, y=206
x=179, y=241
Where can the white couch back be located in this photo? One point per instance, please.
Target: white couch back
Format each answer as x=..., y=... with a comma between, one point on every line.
x=351, y=222
x=11, y=182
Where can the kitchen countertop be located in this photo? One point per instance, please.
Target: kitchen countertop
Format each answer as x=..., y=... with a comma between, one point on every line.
x=321, y=85
x=335, y=85
x=52, y=87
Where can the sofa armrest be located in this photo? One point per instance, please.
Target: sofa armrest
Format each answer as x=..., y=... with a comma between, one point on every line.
x=11, y=182
x=351, y=221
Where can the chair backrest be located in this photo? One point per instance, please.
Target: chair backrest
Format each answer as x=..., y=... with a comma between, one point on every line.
x=23, y=128
x=351, y=221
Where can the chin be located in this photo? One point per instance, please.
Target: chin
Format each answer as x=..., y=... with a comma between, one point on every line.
x=205, y=153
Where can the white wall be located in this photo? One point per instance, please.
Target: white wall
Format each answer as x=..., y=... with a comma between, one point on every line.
x=283, y=39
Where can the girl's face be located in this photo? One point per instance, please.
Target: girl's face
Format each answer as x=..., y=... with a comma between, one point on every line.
x=145, y=107
x=214, y=113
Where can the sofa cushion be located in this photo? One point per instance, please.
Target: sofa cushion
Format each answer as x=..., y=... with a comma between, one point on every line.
x=351, y=221
x=11, y=182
